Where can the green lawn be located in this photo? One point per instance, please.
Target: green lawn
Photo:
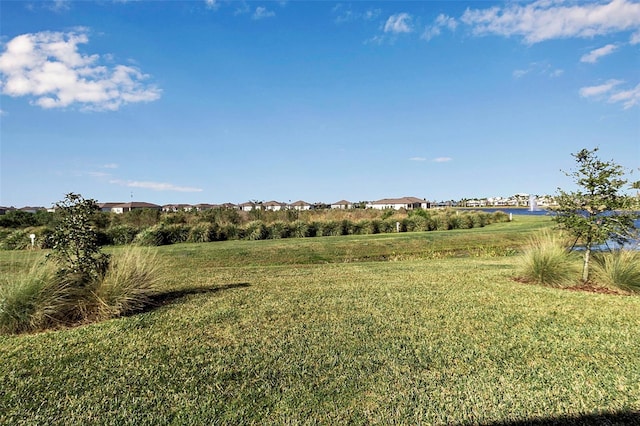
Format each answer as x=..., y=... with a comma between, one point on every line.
x=424, y=328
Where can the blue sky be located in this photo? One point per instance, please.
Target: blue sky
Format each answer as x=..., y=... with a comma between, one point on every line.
x=229, y=101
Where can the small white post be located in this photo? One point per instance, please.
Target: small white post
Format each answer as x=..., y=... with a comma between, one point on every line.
x=33, y=239
x=510, y=217
x=397, y=226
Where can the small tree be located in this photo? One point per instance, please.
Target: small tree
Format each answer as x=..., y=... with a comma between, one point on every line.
x=74, y=242
x=598, y=211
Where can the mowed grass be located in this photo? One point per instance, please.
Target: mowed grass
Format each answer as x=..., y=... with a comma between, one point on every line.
x=245, y=334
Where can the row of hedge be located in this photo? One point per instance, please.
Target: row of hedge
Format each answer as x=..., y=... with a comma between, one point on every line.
x=164, y=234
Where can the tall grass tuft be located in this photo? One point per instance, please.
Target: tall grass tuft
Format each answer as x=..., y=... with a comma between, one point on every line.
x=42, y=298
x=619, y=268
x=129, y=284
x=547, y=261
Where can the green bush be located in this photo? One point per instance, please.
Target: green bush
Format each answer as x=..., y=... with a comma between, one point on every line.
x=43, y=298
x=229, y=231
x=299, y=229
x=330, y=228
x=122, y=234
x=547, y=261
x=619, y=268
x=255, y=230
x=203, y=232
x=279, y=229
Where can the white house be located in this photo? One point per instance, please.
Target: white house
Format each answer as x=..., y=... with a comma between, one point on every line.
x=134, y=205
x=342, y=204
x=300, y=205
x=248, y=206
x=408, y=203
x=274, y=206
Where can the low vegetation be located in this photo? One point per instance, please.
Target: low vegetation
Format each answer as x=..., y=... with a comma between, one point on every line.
x=409, y=328
x=76, y=282
x=152, y=228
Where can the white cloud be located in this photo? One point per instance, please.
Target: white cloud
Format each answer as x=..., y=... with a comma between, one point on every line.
x=591, y=91
x=212, y=4
x=442, y=21
x=539, y=68
x=635, y=38
x=398, y=23
x=110, y=166
x=520, y=73
x=48, y=67
x=629, y=98
x=611, y=92
x=262, y=13
x=417, y=159
x=346, y=14
x=548, y=19
x=593, y=56
x=442, y=159
x=155, y=186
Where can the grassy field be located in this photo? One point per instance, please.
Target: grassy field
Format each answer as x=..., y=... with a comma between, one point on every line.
x=420, y=328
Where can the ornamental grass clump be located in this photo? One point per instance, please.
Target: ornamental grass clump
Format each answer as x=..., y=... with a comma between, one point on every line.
x=77, y=283
x=547, y=261
x=618, y=268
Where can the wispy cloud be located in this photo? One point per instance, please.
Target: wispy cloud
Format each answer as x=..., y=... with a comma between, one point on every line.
x=442, y=21
x=442, y=159
x=547, y=19
x=599, y=90
x=262, y=12
x=611, y=92
x=417, y=159
x=538, y=68
x=398, y=24
x=155, y=186
x=212, y=4
x=347, y=14
x=593, y=56
x=48, y=67
x=110, y=166
x=629, y=98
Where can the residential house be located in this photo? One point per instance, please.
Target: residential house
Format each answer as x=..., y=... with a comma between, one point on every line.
x=408, y=203
x=300, y=205
x=342, y=204
x=30, y=209
x=274, y=206
x=108, y=207
x=134, y=205
x=250, y=205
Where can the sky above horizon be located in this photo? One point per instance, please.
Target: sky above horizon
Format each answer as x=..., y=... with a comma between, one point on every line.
x=228, y=101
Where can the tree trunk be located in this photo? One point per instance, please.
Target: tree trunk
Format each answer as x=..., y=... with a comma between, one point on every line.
x=585, y=268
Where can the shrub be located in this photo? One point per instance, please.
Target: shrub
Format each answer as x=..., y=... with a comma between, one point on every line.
x=152, y=236
x=42, y=298
x=202, y=233
x=330, y=228
x=255, y=230
x=16, y=240
x=546, y=261
x=122, y=234
x=129, y=284
x=619, y=268
x=229, y=231
x=299, y=229
x=279, y=229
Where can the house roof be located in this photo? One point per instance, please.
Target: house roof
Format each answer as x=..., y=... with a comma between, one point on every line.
x=108, y=205
x=139, y=205
x=274, y=203
x=403, y=200
x=341, y=203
